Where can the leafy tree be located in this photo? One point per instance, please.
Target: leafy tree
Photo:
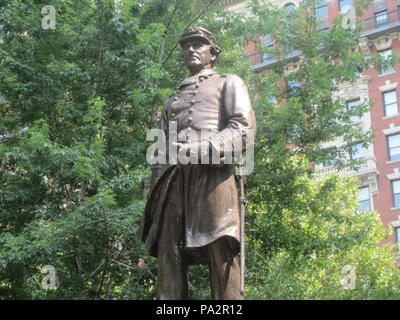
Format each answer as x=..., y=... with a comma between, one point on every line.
x=76, y=104
x=304, y=229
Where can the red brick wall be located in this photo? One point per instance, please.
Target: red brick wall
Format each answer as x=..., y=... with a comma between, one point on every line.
x=383, y=200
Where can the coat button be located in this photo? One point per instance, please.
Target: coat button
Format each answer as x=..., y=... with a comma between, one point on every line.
x=190, y=110
x=173, y=114
x=193, y=101
x=195, y=92
x=190, y=119
x=176, y=98
x=197, y=85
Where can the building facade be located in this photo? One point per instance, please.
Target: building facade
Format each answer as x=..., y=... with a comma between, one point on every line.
x=379, y=176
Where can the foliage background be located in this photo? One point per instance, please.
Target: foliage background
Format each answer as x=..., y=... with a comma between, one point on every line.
x=76, y=104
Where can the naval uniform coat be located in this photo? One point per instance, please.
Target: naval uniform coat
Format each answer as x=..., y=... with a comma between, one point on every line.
x=202, y=199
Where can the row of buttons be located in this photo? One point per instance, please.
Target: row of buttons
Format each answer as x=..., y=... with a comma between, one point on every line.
x=191, y=110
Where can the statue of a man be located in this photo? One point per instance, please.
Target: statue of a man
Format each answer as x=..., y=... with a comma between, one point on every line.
x=192, y=214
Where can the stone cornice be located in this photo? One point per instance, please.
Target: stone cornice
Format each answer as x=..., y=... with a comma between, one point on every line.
x=388, y=86
x=381, y=43
x=354, y=91
x=396, y=223
x=391, y=130
x=395, y=175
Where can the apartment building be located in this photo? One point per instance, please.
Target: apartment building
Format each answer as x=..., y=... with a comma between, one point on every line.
x=379, y=176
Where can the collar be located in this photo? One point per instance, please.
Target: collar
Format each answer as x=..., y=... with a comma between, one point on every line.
x=193, y=79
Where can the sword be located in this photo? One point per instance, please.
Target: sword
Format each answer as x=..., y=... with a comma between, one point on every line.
x=242, y=201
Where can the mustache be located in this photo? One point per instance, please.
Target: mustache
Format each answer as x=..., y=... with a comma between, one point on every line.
x=193, y=55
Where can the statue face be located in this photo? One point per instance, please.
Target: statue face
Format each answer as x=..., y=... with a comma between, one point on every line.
x=197, y=55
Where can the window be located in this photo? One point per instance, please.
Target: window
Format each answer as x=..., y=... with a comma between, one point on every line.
x=390, y=103
x=352, y=104
x=381, y=18
x=290, y=17
x=394, y=146
x=293, y=88
x=331, y=157
x=345, y=5
x=321, y=13
x=358, y=152
x=267, y=56
x=364, y=202
x=397, y=231
x=396, y=193
x=293, y=84
x=290, y=6
x=321, y=9
x=386, y=55
x=398, y=10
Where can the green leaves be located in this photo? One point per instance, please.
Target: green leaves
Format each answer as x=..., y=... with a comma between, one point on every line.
x=76, y=104
x=302, y=229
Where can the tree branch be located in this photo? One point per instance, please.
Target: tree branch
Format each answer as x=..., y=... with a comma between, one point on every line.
x=100, y=265
x=108, y=291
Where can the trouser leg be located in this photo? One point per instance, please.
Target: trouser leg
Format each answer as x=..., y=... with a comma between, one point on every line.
x=172, y=283
x=224, y=274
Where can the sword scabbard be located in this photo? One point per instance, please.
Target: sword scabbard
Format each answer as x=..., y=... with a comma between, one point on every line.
x=242, y=200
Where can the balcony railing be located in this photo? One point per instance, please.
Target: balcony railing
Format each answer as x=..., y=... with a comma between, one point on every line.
x=369, y=166
x=267, y=59
x=381, y=22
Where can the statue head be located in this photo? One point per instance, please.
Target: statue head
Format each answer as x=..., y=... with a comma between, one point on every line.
x=199, y=49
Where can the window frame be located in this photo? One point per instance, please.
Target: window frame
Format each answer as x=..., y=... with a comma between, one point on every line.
x=319, y=6
x=290, y=7
x=351, y=152
x=384, y=103
x=340, y=7
x=381, y=13
x=331, y=162
x=388, y=146
x=369, y=200
x=267, y=56
x=348, y=108
x=391, y=68
x=397, y=234
x=393, y=194
x=398, y=11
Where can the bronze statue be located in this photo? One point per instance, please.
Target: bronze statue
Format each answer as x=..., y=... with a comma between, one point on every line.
x=191, y=216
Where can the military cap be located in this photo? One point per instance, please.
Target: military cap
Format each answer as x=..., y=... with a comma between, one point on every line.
x=199, y=33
